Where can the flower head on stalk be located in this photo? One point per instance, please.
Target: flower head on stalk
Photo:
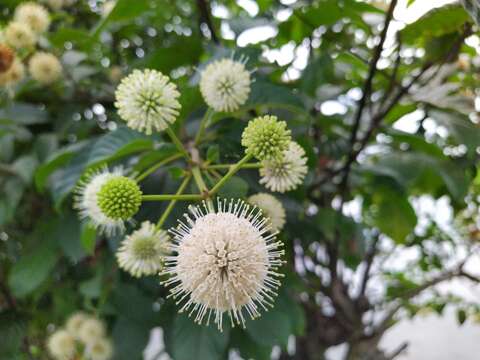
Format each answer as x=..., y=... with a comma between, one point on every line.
x=108, y=199
x=226, y=262
x=147, y=100
x=143, y=252
x=225, y=84
x=288, y=172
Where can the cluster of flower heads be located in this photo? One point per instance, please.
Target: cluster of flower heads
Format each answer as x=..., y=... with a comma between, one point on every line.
x=221, y=259
x=83, y=337
x=18, y=42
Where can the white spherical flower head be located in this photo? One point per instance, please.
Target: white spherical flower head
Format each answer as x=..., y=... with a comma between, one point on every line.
x=227, y=261
x=13, y=75
x=143, y=252
x=33, y=15
x=75, y=321
x=272, y=208
x=19, y=35
x=61, y=345
x=108, y=199
x=147, y=101
x=287, y=173
x=91, y=330
x=101, y=349
x=225, y=85
x=45, y=68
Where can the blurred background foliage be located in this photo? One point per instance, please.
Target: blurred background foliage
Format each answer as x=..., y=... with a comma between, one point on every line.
x=388, y=121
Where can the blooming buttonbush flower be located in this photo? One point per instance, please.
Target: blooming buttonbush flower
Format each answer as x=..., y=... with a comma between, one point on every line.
x=14, y=74
x=286, y=173
x=147, y=101
x=226, y=262
x=225, y=85
x=143, y=252
x=266, y=138
x=19, y=35
x=84, y=337
x=45, y=67
x=61, y=345
x=34, y=15
x=101, y=349
x=271, y=207
x=108, y=199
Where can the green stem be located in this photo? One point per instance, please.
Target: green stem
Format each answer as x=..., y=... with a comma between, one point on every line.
x=256, y=165
x=156, y=166
x=197, y=176
x=203, y=125
x=178, y=143
x=172, y=203
x=230, y=173
x=202, y=187
x=184, y=197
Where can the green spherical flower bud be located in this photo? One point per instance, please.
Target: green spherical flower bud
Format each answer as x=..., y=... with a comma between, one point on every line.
x=266, y=138
x=120, y=198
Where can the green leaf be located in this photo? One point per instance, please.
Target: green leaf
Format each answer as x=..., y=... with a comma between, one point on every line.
x=33, y=268
x=393, y=214
x=126, y=10
x=130, y=339
x=56, y=160
x=318, y=72
x=460, y=128
x=204, y=342
x=187, y=50
x=437, y=22
x=268, y=94
x=422, y=172
x=25, y=167
x=213, y=154
x=112, y=146
x=24, y=114
x=92, y=288
x=68, y=234
x=117, y=144
x=274, y=326
x=12, y=329
x=235, y=187
x=129, y=301
x=248, y=348
x=11, y=195
x=461, y=316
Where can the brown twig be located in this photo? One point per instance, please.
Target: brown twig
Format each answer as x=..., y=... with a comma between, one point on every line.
x=206, y=17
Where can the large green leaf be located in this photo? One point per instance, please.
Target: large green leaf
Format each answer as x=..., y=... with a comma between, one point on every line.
x=460, y=128
x=392, y=213
x=266, y=93
x=130, y=339
x=204, y=342
x=421, y=172
x=109, y=147
x=34, y=267
x=437, y=22
x=24, y=114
